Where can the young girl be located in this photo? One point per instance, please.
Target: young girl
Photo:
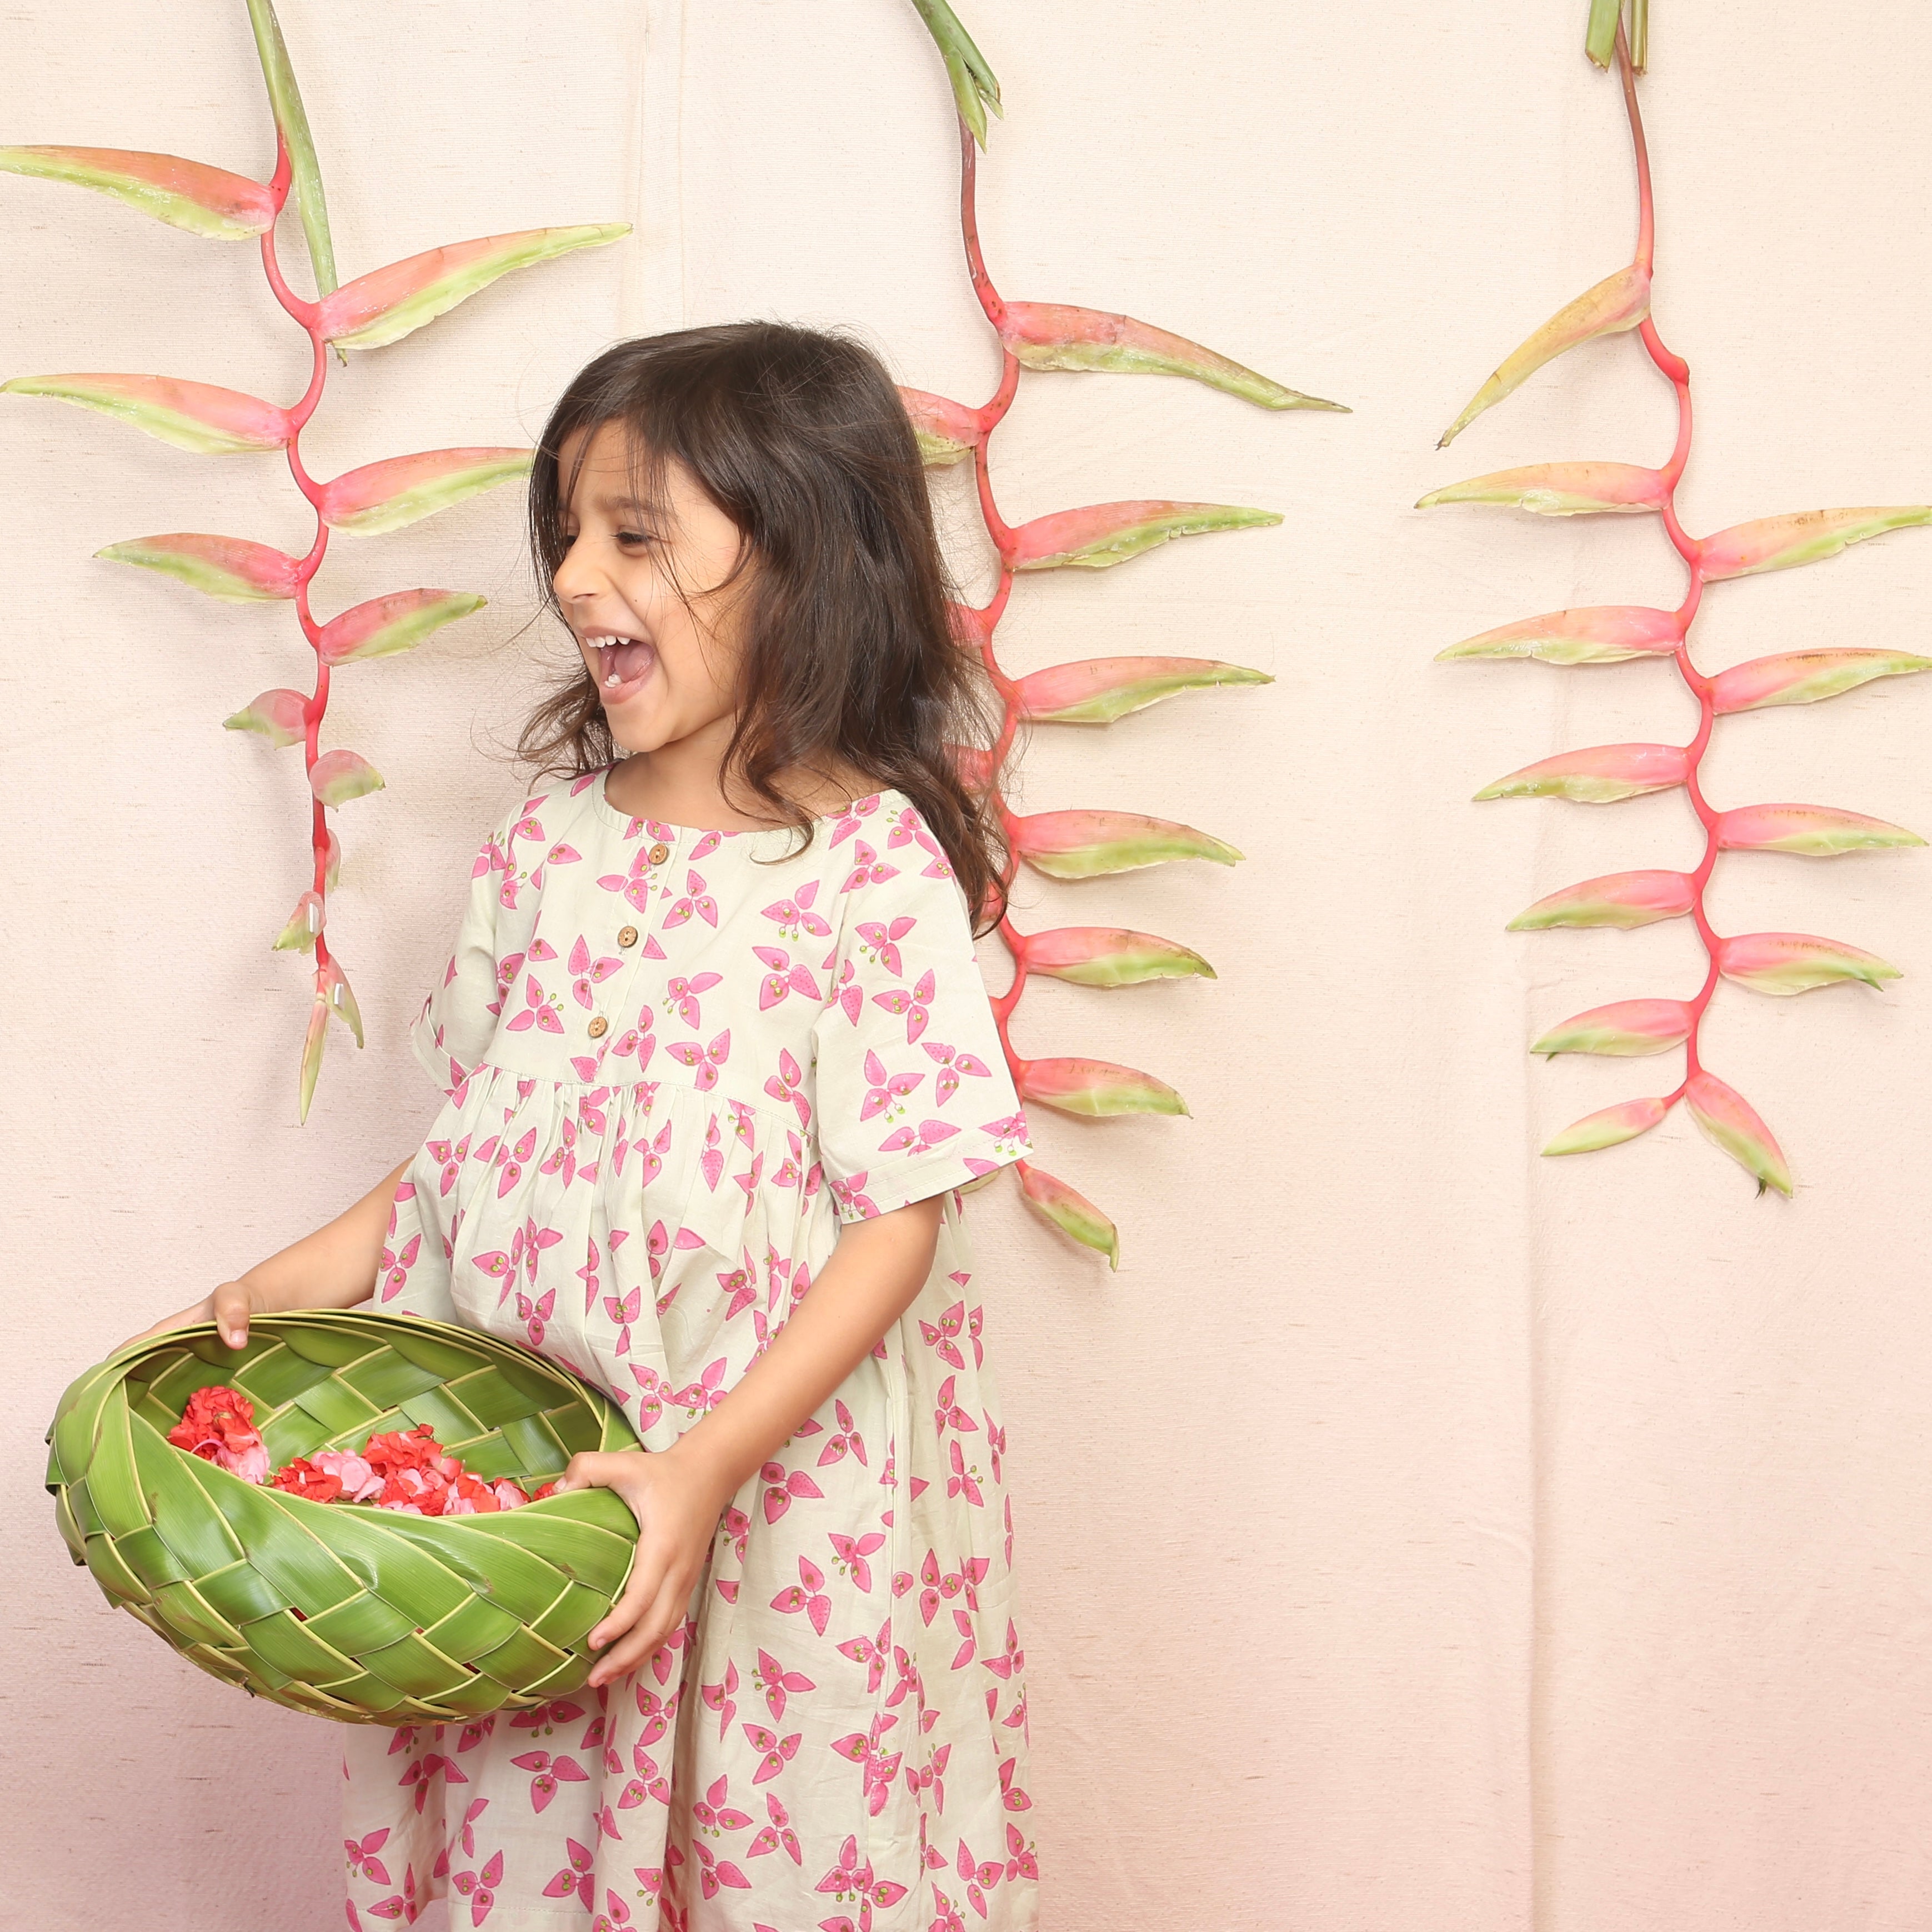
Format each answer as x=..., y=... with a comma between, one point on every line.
x=717, y=1056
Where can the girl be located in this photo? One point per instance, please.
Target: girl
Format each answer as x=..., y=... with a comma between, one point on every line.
x=717, y=1058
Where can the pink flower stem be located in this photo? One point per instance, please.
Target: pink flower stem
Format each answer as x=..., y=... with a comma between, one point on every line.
x=1677, y=372
x=987, y=618
x=307, y=314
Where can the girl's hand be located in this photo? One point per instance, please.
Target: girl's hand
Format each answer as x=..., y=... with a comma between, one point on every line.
x=677, y=1503
x=229, y=1308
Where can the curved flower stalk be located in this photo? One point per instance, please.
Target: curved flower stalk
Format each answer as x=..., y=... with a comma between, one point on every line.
x=1076, y=844
x=1779, y=964
x=374, y=309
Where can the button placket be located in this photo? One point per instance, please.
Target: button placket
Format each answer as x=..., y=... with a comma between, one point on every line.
x=657, y=855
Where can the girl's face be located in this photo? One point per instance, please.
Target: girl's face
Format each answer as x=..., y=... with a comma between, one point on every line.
x=665, y=666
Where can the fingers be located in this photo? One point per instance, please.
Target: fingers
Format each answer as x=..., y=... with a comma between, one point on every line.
x=229, y=1309
x=648, y=1635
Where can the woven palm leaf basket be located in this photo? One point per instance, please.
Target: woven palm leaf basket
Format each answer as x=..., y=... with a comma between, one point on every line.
x=364, y=1615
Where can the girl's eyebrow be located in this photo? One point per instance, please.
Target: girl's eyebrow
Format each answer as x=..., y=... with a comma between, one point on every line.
x=620, y=503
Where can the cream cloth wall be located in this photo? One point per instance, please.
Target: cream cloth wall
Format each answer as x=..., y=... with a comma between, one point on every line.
x=1413, y=1534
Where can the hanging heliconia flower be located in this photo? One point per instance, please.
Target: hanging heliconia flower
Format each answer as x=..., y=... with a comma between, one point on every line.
x=1780, y=964
x=1080, y=843
x=374, y=309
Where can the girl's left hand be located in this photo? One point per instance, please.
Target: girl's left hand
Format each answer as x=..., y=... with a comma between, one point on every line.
x=677, y=1505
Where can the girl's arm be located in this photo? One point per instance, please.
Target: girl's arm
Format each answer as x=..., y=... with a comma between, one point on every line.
x=334, y=1267
x=873, y=1277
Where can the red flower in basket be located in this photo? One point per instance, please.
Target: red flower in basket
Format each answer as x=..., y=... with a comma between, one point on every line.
x=218, y=1425
x=302, y=1478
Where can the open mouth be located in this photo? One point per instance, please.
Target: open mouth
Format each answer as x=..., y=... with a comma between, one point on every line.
x=623, y=665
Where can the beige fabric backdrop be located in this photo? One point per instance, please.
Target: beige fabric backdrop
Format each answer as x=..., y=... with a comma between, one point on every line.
x=1413, y=1534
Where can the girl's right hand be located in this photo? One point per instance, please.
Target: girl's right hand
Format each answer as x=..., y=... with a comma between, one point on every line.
x=229, y=1308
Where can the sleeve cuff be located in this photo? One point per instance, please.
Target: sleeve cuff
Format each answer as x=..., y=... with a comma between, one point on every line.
x=874, y=1191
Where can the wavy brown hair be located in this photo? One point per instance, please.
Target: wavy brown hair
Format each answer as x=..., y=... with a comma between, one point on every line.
x=799, y=436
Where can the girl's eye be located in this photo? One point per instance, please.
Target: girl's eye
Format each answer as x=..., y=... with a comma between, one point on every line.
x=628, y=537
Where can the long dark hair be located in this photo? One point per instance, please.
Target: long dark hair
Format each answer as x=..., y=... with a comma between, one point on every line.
x=799, y=437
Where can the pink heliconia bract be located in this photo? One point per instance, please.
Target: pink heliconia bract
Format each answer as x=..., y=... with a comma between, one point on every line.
x=1104, y=534
x=338, y=776
x=1808, y=536
x=1095, y=1087
x=1069, y=1210
x=385, y=625
x=1810, y=831
x=1601, y=634
x=1805, y=677
x=1609, y=1126
x=1777, y=963
x=1108, y=955
x=281, y=715
x=1729, y=1119
x=1623, y=1028
x=1084, y=844
x=195, y=416
x=230, y=568
x=1561, y=489
x=382, y=496
x=1787, y=963
x=388, y=303
x=1621, y=899
x=304, y=923
x=205, y=201
x=947, y=431
x=1599, y=775
x=1095, y=690
x=1051, y=335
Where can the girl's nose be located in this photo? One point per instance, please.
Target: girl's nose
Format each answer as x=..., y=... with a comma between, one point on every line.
x=575, y=576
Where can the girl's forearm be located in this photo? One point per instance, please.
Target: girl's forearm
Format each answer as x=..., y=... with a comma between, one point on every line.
x=873, y=1277
x=334, y=1267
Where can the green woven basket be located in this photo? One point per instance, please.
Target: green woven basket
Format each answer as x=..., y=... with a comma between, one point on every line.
x=364, y=1615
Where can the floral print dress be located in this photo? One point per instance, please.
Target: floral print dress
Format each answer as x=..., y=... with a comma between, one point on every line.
x=672, y=1072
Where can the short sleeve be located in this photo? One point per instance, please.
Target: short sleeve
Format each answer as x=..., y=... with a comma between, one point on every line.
x=914, y=1096
x=458, y=1020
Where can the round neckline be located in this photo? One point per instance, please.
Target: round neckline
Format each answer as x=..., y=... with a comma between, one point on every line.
x=625, y=820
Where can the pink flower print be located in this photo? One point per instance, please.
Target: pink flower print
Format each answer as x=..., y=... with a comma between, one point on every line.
x=848, y=1880
x=575, y=1878
x=540, y=1009
x=947, y=1413
x=945, y=1914
x=778, y=1683
x=450, y=1159
x=775, y=1752
x=996, y=1442
x=623, y=1310
x=873, y=1652
x=795, y=917
x=1020, y=1860
x=807, y=1595
x=849, y=1193
x=511, y=1162
x=931, y=1778
x=536, y=1314
x=681, y=995
x=748, y=1181
x=1010, y=1660
x=737, y=1531
x=782, y=1490
x=879, y=1769
x=718, y=1697
x=508, y=967
x=980, y=1875
x=535, y=1240
x=467, y=1838
x=562, y=1159
x=651, y=1390
x=880, y=940
x=651, y=1154
x=711, y=1160
x=1015, y=1720
x=615, y=1916
x=480, y=1888
x=953, y=1061
x=635, y=885
x=396, y=1266
x=943, y=1337
x=695, y=899
x=363, y=1862
x=700, y=1397
x=886, y=1093
x=778, y=1833
x=544, y=1719
x=868, y=868
x=713, y=1872
x=607, y=1824
x=786, y=1087
x=785, y=978
x=649, y=1782
x=714, y=1813
x=849, y=1555
x=846, y=1437
x=706, y=1059
x=848, y=996
x=587, y=1274
x=548, y=1771
x=401, y=1905
x=952, y=1583
x=921, y=1139
x=916, y=1005
x=1011, y=1795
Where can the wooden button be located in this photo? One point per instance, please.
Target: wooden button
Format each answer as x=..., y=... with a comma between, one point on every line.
x=658, y=853
x=598, y=1027
x=628, y=936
